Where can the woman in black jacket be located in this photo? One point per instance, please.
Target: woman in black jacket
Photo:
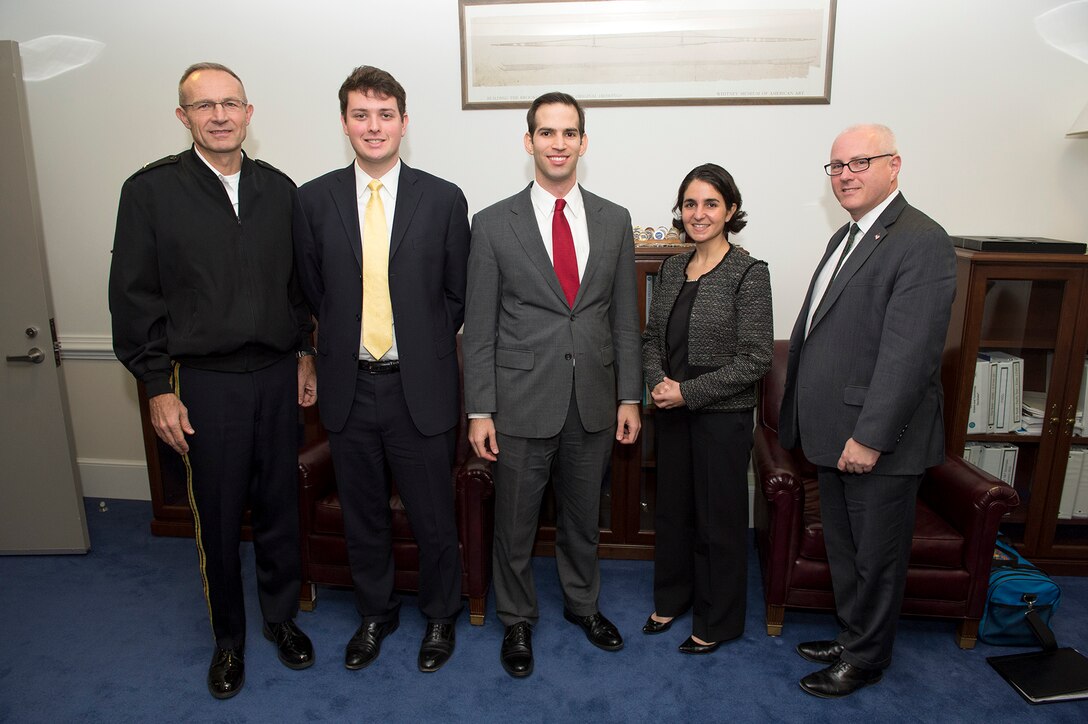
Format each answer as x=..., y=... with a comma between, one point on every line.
x=707, y=342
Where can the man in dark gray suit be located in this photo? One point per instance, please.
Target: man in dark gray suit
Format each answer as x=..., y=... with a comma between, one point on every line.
x=552, y=371
x=863, y=397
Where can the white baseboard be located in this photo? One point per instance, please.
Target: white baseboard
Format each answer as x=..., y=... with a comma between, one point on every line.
x=125, y=479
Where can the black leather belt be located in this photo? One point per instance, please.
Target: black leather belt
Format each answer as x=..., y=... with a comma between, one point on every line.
x=378, y=368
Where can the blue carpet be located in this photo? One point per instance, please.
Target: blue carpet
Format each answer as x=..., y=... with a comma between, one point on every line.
x=121, y=635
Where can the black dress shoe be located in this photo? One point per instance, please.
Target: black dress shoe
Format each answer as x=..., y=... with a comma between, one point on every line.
x=839, y=679
x=366, y=644
x=691, y=646
x=437, y=646
x=227, y=673
x=601, y=632
x=294, y=647
x=820, y=652
x=517, y=650
x=655, y=627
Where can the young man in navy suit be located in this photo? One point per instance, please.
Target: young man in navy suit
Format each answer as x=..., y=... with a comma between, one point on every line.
x=863, y=397
x=382, y=251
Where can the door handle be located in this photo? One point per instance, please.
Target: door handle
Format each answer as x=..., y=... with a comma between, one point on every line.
x=33, y=355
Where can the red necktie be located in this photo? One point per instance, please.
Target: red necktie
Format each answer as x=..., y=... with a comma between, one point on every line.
x=563, y=256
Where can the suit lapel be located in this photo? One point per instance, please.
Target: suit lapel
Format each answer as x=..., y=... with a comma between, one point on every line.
x=596, y=229
x=408, y=195
x=346, y=200
x=858, y=258
x=523, y=223
x=799, y=330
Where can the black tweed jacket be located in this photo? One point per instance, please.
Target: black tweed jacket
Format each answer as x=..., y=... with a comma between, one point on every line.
x=730, y=333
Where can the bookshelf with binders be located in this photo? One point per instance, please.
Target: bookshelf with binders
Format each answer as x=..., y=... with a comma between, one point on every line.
x=1015, y=375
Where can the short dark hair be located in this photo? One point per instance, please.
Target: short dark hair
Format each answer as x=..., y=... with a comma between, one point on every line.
x=196, y=67
x=556, y=97
x=723, y=182
x=368, y=79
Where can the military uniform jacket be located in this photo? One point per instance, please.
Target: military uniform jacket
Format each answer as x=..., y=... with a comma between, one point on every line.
x=192, y=282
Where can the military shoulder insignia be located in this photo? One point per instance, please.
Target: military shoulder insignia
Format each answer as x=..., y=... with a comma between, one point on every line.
x=270, y=167
x=165, y=161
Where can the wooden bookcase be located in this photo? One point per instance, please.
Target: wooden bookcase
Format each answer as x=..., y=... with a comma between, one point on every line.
x=628, y=493
x=1034, y=306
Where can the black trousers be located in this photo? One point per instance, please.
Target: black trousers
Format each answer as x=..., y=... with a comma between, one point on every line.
x=868, y=526
x=380, y=439
x=701, y=519
x=244, y=452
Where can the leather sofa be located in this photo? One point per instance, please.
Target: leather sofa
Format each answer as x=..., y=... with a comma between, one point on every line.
x=959, y=510
x=324, y=549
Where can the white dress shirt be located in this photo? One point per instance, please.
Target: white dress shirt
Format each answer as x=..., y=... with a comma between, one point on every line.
x=575, y=213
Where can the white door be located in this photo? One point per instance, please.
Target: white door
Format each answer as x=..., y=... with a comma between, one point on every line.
x=41, y=500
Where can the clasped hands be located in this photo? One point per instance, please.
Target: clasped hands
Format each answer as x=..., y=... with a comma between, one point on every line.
x=666, y=394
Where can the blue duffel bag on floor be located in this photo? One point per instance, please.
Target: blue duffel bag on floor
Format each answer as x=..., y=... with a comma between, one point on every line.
x=1019, y=603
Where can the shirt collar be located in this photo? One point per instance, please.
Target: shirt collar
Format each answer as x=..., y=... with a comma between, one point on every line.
x=389, y=181
x=217, y=172
x=545, y=202
x=866, y=222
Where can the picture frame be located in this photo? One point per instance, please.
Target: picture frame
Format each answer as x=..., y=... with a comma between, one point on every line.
x=646, y=52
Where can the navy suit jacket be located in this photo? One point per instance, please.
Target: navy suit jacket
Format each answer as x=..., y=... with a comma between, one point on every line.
x=428, y=257
x=870, y=366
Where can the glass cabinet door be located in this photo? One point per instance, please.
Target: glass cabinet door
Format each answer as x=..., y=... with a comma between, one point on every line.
x=1020, y=421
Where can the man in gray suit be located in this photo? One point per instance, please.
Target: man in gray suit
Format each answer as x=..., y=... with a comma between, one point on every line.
x=552, y=371
x=863, y=397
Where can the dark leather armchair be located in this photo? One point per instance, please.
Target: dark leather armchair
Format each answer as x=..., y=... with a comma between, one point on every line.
x=324, y=549
x=959, y=509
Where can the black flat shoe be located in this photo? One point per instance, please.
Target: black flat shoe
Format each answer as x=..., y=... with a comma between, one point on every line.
x=820, y=652
x=437, y=646
x=227, y=673
x=655, y=627
x=517, y=650
x=366, y=644
x=294, y=648
x=838, y=680
x=601, y=632
x=691, y=646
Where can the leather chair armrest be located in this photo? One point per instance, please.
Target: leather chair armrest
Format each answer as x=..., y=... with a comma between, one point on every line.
x=777, y=470
x=970, y=499
x=474, y=491
x=315, y=473
x=973, y=502
x=778, y=509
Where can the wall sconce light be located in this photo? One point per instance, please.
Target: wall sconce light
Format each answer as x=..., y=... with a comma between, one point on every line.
x=1079, y=129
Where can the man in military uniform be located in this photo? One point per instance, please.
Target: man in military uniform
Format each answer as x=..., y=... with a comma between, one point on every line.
x=208, y=314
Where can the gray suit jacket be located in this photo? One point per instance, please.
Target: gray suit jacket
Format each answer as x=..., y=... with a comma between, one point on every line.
x=524, y=347
x=870, y=367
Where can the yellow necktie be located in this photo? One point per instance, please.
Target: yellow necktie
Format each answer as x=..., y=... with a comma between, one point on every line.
x=377, y=308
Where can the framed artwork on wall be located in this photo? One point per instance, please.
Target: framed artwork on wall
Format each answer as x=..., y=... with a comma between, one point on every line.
x=646, y=52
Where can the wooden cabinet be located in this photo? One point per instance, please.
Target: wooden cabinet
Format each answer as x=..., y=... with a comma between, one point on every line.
x=1034, y=306
x=628, y=491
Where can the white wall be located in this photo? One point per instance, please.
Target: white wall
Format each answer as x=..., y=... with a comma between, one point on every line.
x=979, y=102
